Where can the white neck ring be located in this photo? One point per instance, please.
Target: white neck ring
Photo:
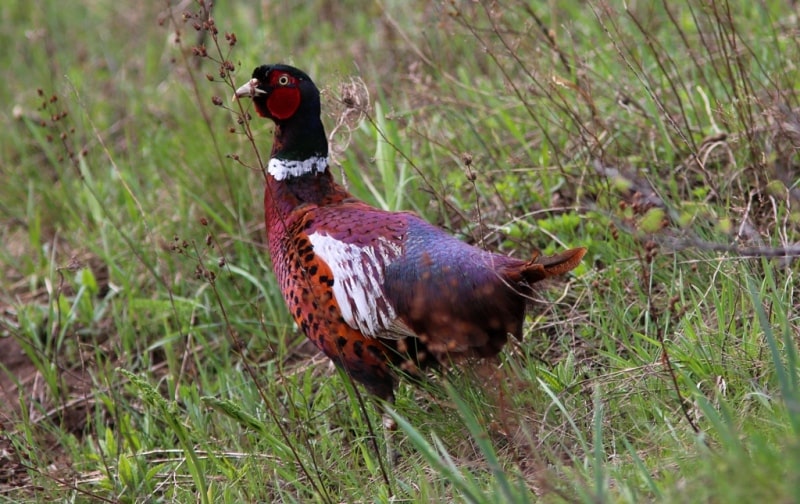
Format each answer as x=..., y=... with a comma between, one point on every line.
x=282, y=169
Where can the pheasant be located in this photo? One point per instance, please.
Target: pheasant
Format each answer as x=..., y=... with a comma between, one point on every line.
x=377, y=291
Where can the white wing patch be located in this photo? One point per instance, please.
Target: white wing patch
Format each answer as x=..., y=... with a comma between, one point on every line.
x=358, y=274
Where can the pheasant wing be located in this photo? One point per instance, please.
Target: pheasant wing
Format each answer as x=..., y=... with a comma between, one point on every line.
x=357, y=243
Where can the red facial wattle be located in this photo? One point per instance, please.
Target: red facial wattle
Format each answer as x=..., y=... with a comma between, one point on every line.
x=283, y=102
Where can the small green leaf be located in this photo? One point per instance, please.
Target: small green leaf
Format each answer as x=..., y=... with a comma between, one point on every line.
x=652, y=221
x=724, y=225
x=125, y=471
x=86, y=278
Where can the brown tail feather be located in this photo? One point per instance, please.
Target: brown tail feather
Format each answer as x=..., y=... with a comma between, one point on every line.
x=541, y=267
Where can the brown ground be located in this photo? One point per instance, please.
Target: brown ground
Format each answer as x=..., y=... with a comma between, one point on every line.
x=22, y=385
x=13, y=364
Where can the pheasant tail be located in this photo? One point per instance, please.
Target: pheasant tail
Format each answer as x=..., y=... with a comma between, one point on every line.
x=542, y=267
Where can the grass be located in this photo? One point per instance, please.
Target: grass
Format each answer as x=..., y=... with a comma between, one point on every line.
x=146, y=351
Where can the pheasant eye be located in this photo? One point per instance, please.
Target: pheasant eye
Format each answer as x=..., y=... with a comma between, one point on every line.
x=283, y=80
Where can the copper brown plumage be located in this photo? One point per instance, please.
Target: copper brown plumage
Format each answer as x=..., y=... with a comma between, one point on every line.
x=375, y=290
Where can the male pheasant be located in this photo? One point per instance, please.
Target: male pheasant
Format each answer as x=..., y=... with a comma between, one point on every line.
x=376, y=291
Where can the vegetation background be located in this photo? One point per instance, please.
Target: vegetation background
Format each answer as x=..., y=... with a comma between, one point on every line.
x=145, y=352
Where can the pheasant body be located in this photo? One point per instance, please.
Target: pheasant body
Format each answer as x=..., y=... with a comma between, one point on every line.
x=376, y=290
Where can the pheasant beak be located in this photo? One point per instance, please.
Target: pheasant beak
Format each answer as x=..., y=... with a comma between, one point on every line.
x=249, y=90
